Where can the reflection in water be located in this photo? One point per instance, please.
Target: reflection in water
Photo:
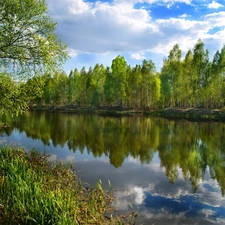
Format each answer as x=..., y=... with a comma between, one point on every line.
x=142, y=151
x=183, y=207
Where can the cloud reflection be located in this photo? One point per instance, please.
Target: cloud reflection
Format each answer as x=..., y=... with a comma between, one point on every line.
x=160, y=207
x=134, y=195
x=163, y=203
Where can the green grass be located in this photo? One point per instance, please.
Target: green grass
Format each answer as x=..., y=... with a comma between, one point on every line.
x=34, y=191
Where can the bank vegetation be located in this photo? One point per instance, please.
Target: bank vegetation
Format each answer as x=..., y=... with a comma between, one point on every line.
x=35, y=191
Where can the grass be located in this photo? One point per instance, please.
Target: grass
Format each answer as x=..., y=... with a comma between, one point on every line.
x=34, y=191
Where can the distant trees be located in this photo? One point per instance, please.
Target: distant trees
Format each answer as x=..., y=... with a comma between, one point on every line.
x=217, y=80
x=150, y=84
x=119, y=80
x=193, y=81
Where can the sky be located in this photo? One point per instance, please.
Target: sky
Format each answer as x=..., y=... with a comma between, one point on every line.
x=99, y=31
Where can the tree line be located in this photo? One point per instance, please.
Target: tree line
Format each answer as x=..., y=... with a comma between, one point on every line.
x=32, y=55
x=118, y=85
x=192, y=81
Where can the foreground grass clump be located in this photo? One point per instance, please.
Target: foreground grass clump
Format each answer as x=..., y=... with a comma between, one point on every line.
x=33, y=191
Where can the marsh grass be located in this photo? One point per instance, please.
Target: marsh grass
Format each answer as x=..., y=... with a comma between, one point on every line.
x=34, y=191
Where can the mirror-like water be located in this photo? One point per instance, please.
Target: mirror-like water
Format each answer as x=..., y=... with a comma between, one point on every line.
x=171, y=172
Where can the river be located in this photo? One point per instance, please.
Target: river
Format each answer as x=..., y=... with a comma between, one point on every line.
x=168, y=171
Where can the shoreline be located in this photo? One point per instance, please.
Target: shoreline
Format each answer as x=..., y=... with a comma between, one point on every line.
x=192, y=113
x=50, y=192
x=173, y=113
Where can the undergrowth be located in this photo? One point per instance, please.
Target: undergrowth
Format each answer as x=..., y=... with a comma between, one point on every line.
x=34, y=191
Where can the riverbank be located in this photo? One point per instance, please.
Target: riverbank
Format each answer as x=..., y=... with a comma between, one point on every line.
x=35, y=191
x=192, y=113
x=116, y=110
x=183, y=113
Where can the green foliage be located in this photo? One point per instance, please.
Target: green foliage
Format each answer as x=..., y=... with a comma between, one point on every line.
x=28, y=43
x=33, y=191
x=28, y=47
x=119, y=80
x=172, y=78
x=98, y=80
x=13, y=98
x=134, y=86
x=109, y=88
x=200, y=73
x=190, y=82
x=194, y=81
x=148, y=85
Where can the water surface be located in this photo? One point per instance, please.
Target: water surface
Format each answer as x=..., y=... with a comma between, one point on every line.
x=169, y=171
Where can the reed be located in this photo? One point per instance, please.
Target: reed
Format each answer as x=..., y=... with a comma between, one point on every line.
x=34, y=191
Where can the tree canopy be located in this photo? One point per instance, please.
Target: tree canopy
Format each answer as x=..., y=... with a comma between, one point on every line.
x=28, y=44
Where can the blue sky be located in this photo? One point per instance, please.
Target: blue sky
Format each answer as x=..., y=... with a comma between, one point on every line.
x=98, y=31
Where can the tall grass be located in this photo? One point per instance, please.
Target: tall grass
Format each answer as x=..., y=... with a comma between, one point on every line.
x=33, y=191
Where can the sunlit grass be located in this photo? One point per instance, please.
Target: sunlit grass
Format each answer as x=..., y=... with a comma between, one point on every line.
x=34, y=191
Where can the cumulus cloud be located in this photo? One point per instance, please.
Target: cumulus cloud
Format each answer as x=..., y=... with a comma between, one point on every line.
x=184, y=15
x=64, y=9
x=138, y=56
x=133, y=195
x=216, y=19
x=117, y=27
x=103, y=27
x=168, y=2
x=177, y=203
x=214, y=5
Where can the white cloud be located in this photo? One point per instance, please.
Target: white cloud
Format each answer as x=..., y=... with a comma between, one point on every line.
x=185, y=15
x=78, y=6
x=181, y=31
x=214, y=5
x=168, y=2
x=101, y=27
x=216, y=19
x=133, y=194
x=139, y=195
x=207, y=212
x=72, y=52
x=138, y=56
x=205, y=199
x=62, y=9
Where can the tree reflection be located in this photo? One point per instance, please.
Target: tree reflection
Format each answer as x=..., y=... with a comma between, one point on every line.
x=190, y=147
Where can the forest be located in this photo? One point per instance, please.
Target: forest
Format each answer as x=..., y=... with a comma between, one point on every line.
x=190, y=81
